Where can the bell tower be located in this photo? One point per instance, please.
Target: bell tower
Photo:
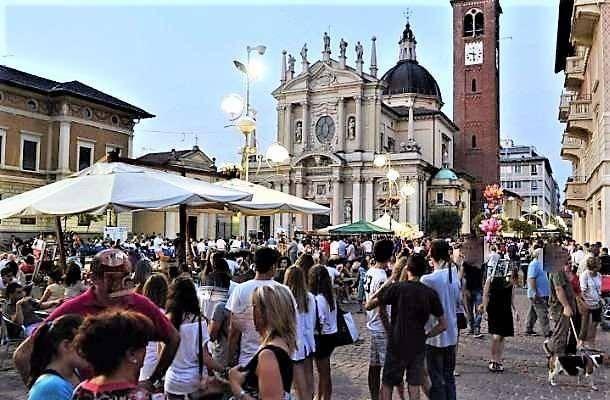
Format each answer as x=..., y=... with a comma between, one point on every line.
x=476, y=91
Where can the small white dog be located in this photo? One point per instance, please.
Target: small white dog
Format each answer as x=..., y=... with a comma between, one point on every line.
x=573, y=365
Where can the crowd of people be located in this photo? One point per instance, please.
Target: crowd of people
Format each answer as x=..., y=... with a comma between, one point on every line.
x=253, y=320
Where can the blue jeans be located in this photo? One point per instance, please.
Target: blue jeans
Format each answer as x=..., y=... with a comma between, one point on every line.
x=441, y=365
x=472, y=303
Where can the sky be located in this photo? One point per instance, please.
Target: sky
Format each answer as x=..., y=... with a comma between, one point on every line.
x=174, y=59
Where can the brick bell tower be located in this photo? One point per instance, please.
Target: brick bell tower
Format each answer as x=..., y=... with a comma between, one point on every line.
x=476, y=92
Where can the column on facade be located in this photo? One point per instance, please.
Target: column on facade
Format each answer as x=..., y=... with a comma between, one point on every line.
x=288, y=128
x=403, y=205
x=359, y=135
x=130, y=146
x=414, y=204
x=369, y=199
x=63, y=160
x=356, y=198
x=423, y=206
x=337, y=201
x=306, y=136
x=212, y=226
x=299, y=193
x=341, y=124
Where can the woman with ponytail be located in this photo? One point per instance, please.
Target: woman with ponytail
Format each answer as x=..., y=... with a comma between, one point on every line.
x=54, y=360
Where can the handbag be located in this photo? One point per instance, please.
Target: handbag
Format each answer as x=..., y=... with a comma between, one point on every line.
x=344, y=336
x=210, y=392
x=462, y=322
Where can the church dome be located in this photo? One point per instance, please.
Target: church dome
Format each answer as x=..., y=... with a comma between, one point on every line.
x=446, y=173
x=409, y=77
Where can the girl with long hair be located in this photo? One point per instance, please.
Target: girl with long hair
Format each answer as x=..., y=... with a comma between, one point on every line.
x=214, y=295
x=73, y=281
x=155, y=288
x=326, y=326
x=54, y=360
x=183, y=376
x=269, y=374
x=142, y=270
x=294, y=278
x=305, y=262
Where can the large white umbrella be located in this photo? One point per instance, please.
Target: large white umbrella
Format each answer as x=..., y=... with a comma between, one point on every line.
x=120, y=186
x=267, y=201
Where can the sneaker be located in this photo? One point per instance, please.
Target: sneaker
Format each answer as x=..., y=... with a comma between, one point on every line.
x=477, y=334
x=493, y=366
x=499, y=367
x=531, y=333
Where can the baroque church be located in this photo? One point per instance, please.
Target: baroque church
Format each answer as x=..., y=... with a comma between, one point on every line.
x=365, y=144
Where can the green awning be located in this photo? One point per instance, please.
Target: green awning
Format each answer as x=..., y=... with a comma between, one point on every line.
x=360, y=227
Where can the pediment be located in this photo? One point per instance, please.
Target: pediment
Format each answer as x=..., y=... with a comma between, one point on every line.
x=197, y=157
x=322, y=75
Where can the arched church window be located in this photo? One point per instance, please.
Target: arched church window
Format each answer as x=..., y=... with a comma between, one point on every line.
x=474, y=23
x=474, y=85
x=474, y=141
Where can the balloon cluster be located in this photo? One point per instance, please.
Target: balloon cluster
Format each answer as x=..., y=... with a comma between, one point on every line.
x=492, y=208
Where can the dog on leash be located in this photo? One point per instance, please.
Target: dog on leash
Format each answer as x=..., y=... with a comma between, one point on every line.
x=575, y=365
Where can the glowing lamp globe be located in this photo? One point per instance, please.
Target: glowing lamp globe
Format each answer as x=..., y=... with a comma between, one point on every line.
x=392, y=175
x=407, y=191
x=277, y=153
x=246, y=124
x=379, y=161
x=232, y=104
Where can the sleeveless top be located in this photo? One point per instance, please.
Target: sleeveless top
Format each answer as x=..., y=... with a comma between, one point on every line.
x=284, y=362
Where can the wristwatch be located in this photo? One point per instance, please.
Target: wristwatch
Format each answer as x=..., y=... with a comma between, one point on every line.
x=241, y=395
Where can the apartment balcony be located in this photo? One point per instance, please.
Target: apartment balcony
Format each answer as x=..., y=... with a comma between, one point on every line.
x=576, y=193
x=575, y=72
x=564, y=106
x=571, y=148
x=584, y=22
x=580, y=118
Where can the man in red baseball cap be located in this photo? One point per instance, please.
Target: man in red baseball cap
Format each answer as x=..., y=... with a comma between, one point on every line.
x=109, y=269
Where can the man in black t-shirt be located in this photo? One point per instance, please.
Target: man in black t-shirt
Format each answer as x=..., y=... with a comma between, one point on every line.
x=412, y=303
x=473, y=296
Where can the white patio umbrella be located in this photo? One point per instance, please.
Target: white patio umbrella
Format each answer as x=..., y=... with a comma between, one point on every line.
x=267, y=201
x=120, y=186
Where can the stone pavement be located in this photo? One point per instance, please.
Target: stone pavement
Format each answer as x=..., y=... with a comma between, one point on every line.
x=524, y=378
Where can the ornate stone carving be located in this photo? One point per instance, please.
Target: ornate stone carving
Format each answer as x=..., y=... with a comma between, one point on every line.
x=342, y=48
x=410, y=146
x=359, y=52
x=298, y=132
x=347, y=211
x=304, y=53
x=326, y=79
x=326, y=40
x=351, y=128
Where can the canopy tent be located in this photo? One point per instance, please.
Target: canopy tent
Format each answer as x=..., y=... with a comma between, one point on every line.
x=360, y=228
x=407, y=231
x=267, y=201
x=120, y=186
x=326, y=231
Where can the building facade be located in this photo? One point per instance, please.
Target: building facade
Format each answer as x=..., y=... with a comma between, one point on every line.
x=192, y=163
x=476, y=91
x=51, y=129
x=335, y=120
x=529, y=174
x=583, y=45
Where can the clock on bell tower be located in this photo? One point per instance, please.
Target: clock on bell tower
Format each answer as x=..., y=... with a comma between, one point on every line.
x=476, y=92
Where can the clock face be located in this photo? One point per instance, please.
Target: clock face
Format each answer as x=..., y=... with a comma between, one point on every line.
x=325, y=129
x=473, y=53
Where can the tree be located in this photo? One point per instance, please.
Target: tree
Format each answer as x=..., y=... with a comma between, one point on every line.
x=444, y=222
x=474, y=225
x=523, y=228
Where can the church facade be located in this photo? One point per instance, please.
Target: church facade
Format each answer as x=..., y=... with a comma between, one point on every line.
x=364, y=144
